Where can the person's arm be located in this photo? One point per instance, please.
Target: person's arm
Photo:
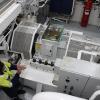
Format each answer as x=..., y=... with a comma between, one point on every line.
x=10, y=66
x=4, y=82
x=20, y=68
x=17, y=67
x=13, y=67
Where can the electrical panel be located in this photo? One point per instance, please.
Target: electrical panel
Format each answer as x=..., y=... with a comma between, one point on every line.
x=46, y=49
x=77, y=77
x=92, y=85
x=42, y=64
x=71, y=83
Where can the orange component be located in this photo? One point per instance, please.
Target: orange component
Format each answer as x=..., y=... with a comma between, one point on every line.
x=87, y=9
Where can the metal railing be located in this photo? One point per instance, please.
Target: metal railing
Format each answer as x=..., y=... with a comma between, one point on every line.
x=5, y=4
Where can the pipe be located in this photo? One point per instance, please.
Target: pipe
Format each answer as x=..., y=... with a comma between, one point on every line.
x=43, y=4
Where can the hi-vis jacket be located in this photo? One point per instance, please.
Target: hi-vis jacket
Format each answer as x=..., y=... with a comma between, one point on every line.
x=5, y=79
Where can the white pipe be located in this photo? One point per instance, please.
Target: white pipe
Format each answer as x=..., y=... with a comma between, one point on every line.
x=43, y=4
x=68, y=44
x=97, y=93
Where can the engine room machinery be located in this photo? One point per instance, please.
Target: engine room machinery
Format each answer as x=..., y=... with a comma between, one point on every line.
x=76, y=76
x=51, y=48
x=10, y=9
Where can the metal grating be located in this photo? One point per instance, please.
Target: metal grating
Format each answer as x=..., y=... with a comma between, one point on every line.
x=23, y=39
x=22, y=43
x=76, y=46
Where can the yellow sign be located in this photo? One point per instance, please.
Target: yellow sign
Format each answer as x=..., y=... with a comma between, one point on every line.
x=38, y=46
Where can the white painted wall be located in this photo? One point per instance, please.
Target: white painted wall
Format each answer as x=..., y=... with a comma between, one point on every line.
x=78, y=12
x=93, y=20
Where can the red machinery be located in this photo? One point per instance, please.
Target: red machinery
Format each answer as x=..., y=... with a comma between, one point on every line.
x=87, y=9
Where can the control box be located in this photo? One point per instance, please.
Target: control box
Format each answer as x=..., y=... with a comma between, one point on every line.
x=43, y=64
x=77, y=77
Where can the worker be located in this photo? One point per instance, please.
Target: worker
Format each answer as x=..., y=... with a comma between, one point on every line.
x=9, y=79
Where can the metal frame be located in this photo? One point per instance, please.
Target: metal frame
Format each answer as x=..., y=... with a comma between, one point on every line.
x=70, y=37
x=73, y=7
